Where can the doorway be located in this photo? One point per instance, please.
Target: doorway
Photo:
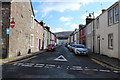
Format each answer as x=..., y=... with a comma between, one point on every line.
x=39, y=44
x=98, y=44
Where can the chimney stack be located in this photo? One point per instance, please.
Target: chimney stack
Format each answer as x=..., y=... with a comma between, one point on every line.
x=89, y=20
x=103, y=10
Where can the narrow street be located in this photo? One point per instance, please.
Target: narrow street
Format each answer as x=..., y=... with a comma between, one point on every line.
x=58, y=64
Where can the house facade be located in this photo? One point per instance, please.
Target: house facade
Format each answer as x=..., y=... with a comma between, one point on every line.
x=53, y=38
x=38, y=32
x=82, y=33
x=23, y=32
x=107, y=32
x=89, y=38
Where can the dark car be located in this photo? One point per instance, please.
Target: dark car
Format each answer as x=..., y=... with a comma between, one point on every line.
x=51, y=47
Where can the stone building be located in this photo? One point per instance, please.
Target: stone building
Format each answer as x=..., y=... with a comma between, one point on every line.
x=20, y=41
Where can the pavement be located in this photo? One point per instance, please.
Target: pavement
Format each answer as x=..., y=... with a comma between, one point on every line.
x=114, y=62
x=20, y=57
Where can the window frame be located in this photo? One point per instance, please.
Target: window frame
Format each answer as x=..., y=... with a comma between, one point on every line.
x=32, y=22
x=110, y=42
x=31, y=40
x=116, y=7
x=110, y=17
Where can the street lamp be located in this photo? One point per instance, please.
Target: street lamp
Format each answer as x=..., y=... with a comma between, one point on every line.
x=93, y=28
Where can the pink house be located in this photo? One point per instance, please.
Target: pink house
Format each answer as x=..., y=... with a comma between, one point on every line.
x=53, y=38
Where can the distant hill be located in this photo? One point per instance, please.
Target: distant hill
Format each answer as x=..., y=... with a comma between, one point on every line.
x=64, y=34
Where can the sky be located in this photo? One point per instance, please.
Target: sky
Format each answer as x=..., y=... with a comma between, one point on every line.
x=66, y=15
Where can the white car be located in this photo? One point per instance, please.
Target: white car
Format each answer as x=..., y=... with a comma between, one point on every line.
x=80, y=49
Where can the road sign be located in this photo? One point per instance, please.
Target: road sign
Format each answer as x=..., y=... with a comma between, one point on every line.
x=12, y=24
x=60, y=58
x=7, y=31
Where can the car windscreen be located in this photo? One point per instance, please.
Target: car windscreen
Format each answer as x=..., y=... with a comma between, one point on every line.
x=73, y=45
x=51, y=45
x=80, y=46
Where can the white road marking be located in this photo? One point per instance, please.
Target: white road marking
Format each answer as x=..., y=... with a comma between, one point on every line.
x=27, y=64
x=79, y=68
x=95, y=69
x=87, y=69
x=58, y=66
x=60, y=58
x=49, y=66
x=104, y=70
x=116, y=71
x=39, y=65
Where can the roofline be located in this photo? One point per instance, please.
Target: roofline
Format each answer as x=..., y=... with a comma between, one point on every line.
x=32, y=8
x=116, y=3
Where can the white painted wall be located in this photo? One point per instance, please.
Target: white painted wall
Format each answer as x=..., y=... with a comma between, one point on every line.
x=103, y=31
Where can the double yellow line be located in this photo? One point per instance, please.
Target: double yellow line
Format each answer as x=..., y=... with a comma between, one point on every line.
x=104, y=65
x=23, y=60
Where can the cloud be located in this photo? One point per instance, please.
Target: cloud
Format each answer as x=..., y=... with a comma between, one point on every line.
x=67, y=24
x=84, y=16
x=36, y=11
x=65, y=18
x=59, y=7
x=72, y=25
x=95, y=15
x=58, y=30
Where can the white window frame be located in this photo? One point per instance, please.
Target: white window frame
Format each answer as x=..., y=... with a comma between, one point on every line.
x=37, y=28
x=31, y=40
x=110, y=17
x=37, y=42
x=110, y=41
x=116, y=14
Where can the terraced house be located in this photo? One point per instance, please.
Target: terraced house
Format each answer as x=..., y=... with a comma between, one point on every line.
x=102, y=34
x=107, y=35
x=38, y=32
x=19, y=40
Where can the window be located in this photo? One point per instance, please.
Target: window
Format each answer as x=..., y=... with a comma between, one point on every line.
x=31, y=40
x=116, y=14
x=97, y=23
x=110, y=16
x=110, y=41
x=113, y=15
x=32, y=21
x=37, y=42
x=37, y=27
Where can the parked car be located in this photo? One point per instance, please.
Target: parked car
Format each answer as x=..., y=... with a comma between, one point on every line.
x=72, y=46
x=80, y=49
x=66, y=44
x=69, y=45
x=51, y=47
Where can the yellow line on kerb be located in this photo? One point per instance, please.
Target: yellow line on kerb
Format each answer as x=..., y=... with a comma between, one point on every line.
x=23, y=60
x=104, y=65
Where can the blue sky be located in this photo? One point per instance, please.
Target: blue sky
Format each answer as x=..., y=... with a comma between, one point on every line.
x=66, y=15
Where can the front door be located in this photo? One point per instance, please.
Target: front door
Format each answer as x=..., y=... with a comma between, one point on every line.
x=39, y=44
x=98, y=44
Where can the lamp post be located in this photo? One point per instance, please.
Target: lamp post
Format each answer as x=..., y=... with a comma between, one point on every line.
x=93, y=28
